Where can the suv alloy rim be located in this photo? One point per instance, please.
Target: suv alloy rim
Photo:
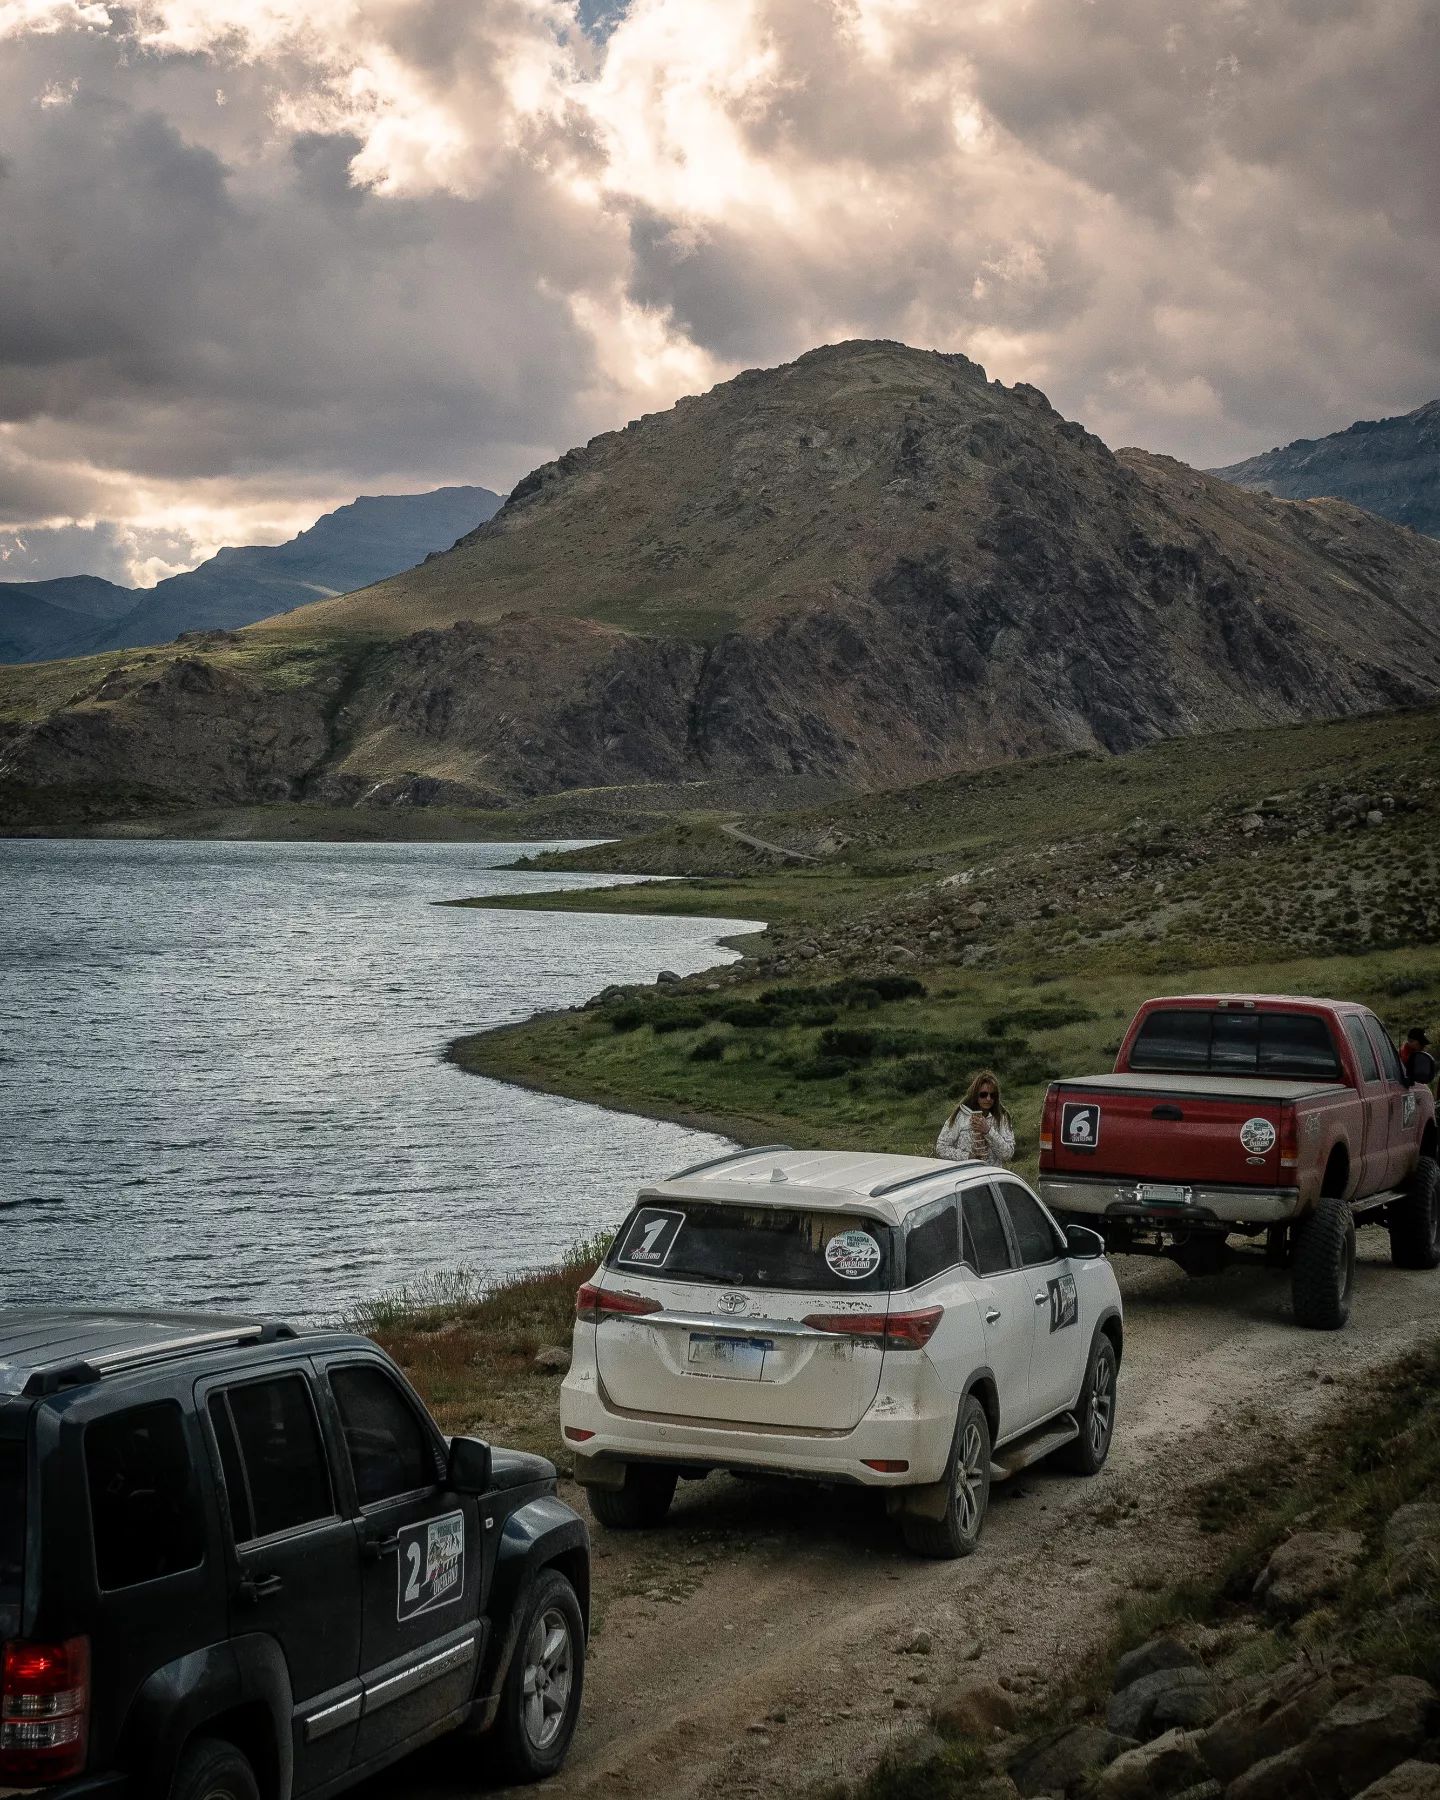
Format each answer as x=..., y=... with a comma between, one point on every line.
x=969, y=1474
x=1102, y=1402
x=548, y=1674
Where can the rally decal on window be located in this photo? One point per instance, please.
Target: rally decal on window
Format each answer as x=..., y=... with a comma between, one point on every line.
x=1064, y=1302
x=852, y=1255
x=1080, y=1125
x=431, y=1565
x=651, y=1238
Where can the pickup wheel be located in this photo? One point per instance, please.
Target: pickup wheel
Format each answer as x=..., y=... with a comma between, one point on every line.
x=1095, y=1413
x=1322, y=1270
x=643, y=1500
x=1415, y=1219
x=968, y=1482
x=540, y=1701
x=211, y=1769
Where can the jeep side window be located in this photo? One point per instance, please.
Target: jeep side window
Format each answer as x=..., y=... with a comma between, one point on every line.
x=1033, y=1231
x=276, y=1476
x=144, y=1506
x=987, y=1250
x=932, y=1241
x=390, y=1454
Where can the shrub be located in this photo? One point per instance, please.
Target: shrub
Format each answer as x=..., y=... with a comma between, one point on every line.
x=748, y=1015
x=898, y=987
x=917, y=1075
x=821, y=1068
x=627, y=1018
x=1039, y=1018
x=708, y=1049
x=678, y=1018
x=854, y=1046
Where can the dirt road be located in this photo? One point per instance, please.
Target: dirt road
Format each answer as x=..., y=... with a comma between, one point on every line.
x=757, y=1643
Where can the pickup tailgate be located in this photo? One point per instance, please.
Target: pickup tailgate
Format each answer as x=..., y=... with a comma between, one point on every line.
x=1170, y=1129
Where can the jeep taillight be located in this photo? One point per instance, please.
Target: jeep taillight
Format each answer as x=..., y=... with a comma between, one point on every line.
x=1047, y=1120
x=592, y=1304
x=1289, y=1138
x=892, y=1331
x=44, y=1709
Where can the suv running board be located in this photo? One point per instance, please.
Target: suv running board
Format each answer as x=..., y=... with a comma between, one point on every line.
x=1035, y=1444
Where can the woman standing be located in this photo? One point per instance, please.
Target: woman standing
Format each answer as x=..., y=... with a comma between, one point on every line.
x=979, y=1129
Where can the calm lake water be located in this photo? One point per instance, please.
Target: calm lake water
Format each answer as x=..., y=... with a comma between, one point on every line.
x=220, y=1074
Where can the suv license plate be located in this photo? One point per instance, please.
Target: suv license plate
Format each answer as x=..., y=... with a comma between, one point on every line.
x=738, y=1358
x=1159, y=1193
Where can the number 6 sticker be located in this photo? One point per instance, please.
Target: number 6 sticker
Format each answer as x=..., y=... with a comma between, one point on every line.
x=651, y=1238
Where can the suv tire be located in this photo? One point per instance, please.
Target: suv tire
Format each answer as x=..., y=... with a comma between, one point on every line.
x=1094, y=1413
x=644, y=1499
x=1415, y=1219
x=967, y=1480
x=1322, y=1271
x=540, y=1701
x=211, y=1769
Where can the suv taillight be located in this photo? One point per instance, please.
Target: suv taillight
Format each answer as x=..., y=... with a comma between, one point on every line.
x=44, y=1709
x=1047, y=1119
x=892, y=1331
x=592, y=1304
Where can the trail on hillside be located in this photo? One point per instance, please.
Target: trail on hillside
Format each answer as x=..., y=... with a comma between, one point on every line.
x=764, y=1639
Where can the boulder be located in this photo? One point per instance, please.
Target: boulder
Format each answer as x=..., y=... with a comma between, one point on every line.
x=1165, y=1697
x=1365, y=1735
x=1061, y=1761
x=1290, y=1704
x=668, y=976
x=1307, y=1568
x=1406, y=1781
x=1412, y=1537
x=1165, y=1766
x=974, y=1708
x=1159, y=1653
x=553, y=1359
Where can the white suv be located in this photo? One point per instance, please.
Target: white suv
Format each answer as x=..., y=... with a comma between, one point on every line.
x=897, y=1321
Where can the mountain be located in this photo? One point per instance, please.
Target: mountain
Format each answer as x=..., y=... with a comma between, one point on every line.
x=869, y=565
x=372, y=537
x=1388, y=466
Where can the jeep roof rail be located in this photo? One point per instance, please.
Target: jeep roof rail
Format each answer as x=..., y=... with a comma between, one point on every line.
x=730, y=1156
x=905, y=1181
x=94, y=1352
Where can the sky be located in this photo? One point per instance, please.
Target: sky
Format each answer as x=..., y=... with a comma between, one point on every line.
x=258, y=256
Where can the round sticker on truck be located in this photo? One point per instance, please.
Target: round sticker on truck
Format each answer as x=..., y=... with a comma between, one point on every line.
x=852, y=1255
x=1257, y=1136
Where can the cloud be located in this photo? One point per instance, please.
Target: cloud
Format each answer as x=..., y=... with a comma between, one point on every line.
x=261, y=254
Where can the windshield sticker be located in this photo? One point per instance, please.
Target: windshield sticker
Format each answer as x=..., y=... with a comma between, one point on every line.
x=852, y=1255
x=1257, y=1136
x=650, y=1239
x=431, y=1565
x=1064, y=1302
x=1080, y=1125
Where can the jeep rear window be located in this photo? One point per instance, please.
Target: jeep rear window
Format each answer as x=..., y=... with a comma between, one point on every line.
x=1193, y=1040
x=12, y=1517
x=755, y=1246
x=144, y=1505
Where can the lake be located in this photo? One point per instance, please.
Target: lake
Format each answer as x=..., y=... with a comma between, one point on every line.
x=221, y=1080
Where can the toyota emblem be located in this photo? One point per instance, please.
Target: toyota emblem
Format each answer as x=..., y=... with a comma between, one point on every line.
x=733, y=1303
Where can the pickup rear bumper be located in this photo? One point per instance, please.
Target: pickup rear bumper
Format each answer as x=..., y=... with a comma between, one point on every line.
x=1205, y=1205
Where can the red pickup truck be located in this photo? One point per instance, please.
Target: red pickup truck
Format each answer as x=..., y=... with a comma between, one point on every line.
x=1250, y=1115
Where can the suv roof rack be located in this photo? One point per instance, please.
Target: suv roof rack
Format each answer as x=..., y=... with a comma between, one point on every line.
x=95, y=1364
x=905, y=1181
x=730, y=1156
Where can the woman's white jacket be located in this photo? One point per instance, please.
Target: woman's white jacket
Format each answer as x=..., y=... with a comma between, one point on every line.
x=996, y=1146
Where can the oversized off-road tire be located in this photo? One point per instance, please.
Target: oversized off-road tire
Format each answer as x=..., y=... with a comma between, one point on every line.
x=1095, y=1413
x=540, y=1701
x=1322, y=1268
x=211, y=1769
x=643, y=1500
x=1415, y=1219
x=968, y=1492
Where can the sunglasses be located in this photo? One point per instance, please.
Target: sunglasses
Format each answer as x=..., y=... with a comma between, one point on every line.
x=987, y=1094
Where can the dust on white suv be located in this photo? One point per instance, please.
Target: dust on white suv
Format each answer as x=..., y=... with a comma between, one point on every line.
x=896, y=1321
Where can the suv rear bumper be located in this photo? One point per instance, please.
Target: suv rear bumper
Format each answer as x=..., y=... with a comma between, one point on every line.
x=83, y=1787
x=1209, y=1204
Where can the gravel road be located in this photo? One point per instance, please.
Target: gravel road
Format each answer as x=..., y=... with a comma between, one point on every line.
x=758, y=1642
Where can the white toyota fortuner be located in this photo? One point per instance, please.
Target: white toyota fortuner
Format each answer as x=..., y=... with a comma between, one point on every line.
x=897, y=1321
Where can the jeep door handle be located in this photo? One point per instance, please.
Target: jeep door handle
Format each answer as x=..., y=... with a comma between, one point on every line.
x=260, y=1588
x=992, y=1316
x=376, y=1547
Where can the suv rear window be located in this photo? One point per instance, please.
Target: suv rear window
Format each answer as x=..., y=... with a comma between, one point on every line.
x=1193, y=1040
x=755, y=1246
x=12, y=1517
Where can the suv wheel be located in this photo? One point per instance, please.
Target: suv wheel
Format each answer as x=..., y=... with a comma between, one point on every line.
x=1415, y=1219
x=211, y=1769
x=1322, y=1272
x=1095, y=1413
x=541, y=1698
x=968, y=1478
x=644, y=1499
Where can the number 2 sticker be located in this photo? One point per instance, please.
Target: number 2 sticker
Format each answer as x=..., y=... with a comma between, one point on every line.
x=431, y=1568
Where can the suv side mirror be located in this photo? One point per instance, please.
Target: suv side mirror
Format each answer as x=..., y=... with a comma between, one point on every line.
x=1084, y=1243
x=469, y=1471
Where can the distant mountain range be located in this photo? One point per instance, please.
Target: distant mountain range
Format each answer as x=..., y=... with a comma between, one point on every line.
x=1388, y=466
x=373, y=537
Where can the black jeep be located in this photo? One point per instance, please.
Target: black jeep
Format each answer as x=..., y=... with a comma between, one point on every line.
x=241, y=1564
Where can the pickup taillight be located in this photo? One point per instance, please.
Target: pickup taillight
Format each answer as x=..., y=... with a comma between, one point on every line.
x=1047, y=1119
x=1289, y=1138
x=592, y=1304
x=44, y=1709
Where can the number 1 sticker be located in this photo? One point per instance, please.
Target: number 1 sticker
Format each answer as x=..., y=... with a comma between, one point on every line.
x=650, y=1239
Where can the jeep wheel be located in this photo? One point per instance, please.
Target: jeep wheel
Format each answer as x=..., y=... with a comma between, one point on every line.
x=644, y=1499
x=541, y=1698
x=211, y=1769
x=1322, y=1271
x=968, y=1482
x=1415, y=1219
x=1095, y=1413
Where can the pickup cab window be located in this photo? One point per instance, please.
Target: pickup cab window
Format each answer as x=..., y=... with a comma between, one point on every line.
x=1363, y=1048
x=1195, y=1040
